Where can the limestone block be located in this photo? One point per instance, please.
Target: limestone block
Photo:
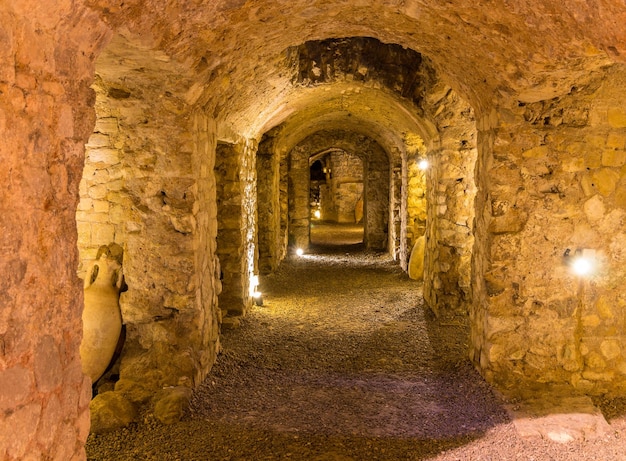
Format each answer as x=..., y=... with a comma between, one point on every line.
x=594, y=208
x=132, y=390
x=84, y=233
x=98, y=192
x=610, y=349
x=595, y=361
x=614, y=158
x=617, y=117
x=103, y=156
x=605, y=180
x=590, y=321
x=107, y=125
x=98, y=140
x=620, y=193
x=606, y=376
x=593, y=158
x=616, y=141
x=110, y=411
x=511, y=222
x=604, y=308
x=536, y=152
x=100, y=206
x=170, y=404
x=103, y=233
x=573, y=165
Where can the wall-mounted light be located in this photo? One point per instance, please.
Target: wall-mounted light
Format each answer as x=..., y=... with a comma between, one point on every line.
x=299, y=251
x=317, y=214
x=582, y=262
x=423, y=164
x=254, y=290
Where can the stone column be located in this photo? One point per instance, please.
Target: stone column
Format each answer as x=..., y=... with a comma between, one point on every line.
x=269, y=212
x=299, y=179
x=237, y=218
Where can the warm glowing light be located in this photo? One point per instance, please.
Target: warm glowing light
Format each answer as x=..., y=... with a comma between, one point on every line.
x=257, y=294
x=582, y=266
x=299, y=251
x=423, y=164
x=317, y=214
x=254, y=283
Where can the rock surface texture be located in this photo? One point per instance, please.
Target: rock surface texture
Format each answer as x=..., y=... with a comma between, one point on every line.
x=138, y=123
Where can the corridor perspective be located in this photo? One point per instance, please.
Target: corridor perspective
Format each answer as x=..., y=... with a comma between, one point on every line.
x=344, y=362
x=170, y=169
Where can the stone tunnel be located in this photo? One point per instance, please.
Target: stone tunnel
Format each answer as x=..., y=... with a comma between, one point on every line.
x=185, y=132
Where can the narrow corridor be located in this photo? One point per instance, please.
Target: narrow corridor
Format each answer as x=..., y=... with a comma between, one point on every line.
x=342, y=362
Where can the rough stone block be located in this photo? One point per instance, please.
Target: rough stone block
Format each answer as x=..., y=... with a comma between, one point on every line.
x=614, y=158
x=107, y=125
x=98, y=140
x=594, y=208
x=170, y=404
x=16, y=385
x=617, y=117
x=605, y=180
x=616, y=141
x=536, y=152
x=103, y=156
x=110, y=411
x=610, y=349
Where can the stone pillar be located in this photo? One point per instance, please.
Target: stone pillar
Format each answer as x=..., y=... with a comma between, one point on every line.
x=269, y=212
x=552, y=180
x=299, y=179
x=376, y=192
x=450, y=194
x=237, y=218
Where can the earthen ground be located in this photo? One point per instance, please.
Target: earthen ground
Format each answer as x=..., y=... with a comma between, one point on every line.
x=345, y=362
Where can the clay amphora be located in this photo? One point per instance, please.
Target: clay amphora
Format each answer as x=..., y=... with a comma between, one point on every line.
x=102, y=321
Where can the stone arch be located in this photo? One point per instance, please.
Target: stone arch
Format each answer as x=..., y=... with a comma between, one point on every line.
x=376, y=185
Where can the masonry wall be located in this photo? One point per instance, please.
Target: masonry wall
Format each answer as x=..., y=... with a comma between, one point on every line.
x=44, y=397
x=554, y=179
x=450, y=195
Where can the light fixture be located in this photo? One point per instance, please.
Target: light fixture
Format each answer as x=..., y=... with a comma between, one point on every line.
x=582, y=263
x=423, y=164
x=582, y=266
x=299, y=251
x=254, y=292
x=317, y=214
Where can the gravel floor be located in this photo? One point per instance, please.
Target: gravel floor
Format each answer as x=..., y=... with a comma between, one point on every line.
x=344, y=362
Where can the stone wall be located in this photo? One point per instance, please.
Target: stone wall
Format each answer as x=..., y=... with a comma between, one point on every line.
x=46, y=117
x=552, y=180
x=450, y=197
x=149, y=186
